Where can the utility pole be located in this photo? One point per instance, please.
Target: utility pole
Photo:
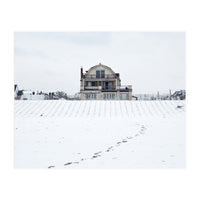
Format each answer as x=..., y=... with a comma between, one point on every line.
x=170, y=93
x=158, y=96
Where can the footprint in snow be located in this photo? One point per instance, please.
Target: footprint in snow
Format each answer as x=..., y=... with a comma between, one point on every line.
x=107, y=150
x=96, y=156
x=51, y=167
x=69, y=163
x=98, y=152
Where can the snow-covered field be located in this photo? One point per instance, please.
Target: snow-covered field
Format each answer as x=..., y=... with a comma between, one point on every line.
x=99, y=134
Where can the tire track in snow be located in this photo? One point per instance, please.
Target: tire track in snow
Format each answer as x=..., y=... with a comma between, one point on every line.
x=72, y=109
x=132, y=110
x=68, y=108
x=78, y=110
x=108, y=109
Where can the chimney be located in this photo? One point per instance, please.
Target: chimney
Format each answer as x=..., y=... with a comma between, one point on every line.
x=117, y=75
x=81, y=72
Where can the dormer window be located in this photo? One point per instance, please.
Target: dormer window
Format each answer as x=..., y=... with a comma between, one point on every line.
x=100, y=74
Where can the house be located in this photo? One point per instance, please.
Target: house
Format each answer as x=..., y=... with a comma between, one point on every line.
x=29, y=95
x=17, y=93
x=179, y=95
x=53, y=96
x=100, y=82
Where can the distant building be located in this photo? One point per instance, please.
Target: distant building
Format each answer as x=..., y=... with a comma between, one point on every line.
x=17, y=93
x=28, y=94
x=102, y=83
x=179, y=95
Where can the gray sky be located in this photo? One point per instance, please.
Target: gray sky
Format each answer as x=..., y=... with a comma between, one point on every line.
x=51, y=61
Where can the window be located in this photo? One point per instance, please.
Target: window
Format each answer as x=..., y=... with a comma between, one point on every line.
x=91, y=83
x=91, y=96
x=100, y=74
x=107, y=85
x=97, y=74
x=124, y=96
x=108, y=96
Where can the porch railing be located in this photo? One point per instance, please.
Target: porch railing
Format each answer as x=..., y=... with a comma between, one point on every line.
x=108, y=88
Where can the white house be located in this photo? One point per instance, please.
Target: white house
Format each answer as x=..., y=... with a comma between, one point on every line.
x=29, y=95
x=102, y=83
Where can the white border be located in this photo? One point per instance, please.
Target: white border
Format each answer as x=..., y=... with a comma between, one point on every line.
x=104, y=15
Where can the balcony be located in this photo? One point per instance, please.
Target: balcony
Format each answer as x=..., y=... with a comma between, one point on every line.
x=102, y=76
x=108, y=88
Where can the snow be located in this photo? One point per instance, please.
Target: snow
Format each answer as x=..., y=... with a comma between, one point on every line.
x=99, y=134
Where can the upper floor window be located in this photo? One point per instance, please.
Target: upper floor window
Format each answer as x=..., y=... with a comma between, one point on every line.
x=100, y=74
x=91, y=83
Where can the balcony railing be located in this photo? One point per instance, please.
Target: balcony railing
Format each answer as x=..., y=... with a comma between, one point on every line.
x=93, y=87
x=124, y=88
x=109, y=88
x=101, y=76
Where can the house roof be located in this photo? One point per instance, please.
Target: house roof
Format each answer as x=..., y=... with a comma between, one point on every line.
x=100, y=65
x=178, y=93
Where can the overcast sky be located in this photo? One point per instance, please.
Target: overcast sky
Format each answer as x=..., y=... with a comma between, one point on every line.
x=51, y=61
